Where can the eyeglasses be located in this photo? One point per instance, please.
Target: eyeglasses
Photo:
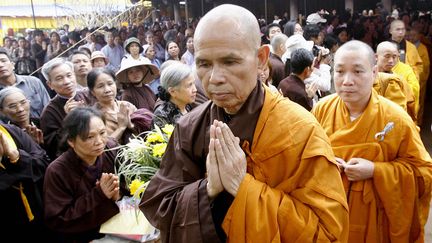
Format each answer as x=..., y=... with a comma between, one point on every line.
x=14, y=106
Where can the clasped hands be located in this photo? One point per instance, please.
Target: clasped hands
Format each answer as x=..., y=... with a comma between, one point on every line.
x=226, y=161
x=110, y=186
x=356, y=169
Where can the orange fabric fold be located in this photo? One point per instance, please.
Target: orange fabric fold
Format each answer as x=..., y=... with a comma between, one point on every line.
x=396, y=89
x=292, y=191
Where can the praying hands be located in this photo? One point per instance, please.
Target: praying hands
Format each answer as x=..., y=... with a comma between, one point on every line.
x=226, y=161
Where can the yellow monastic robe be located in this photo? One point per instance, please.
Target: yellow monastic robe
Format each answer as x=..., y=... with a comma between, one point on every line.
x=413, y=59
x=407, y=73
x=423, y=52
x=393, y=205
x=424, y=56
x=292, y=191
x=396, y=89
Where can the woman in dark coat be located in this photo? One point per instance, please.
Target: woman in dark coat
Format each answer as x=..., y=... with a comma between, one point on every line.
x=80, y=188
x=22, y=170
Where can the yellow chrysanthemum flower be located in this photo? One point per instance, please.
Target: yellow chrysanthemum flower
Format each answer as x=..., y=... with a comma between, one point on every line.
x=168, y=129
x=159, y=149
x=135, y=185
x=154, y=137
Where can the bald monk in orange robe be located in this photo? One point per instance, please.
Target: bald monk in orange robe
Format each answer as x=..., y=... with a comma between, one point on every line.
x=249, y=165
x=384, y=165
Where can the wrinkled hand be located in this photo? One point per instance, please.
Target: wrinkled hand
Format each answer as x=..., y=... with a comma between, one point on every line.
x=358, y=169
x=72, y=104
x=35, y=133
x=7, y=149
x=230, y=157
x=109, y=184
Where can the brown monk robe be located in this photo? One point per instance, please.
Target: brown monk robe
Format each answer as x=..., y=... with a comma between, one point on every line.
x=394, y=88
x=141, y=97
x=386, y=169
x=292, y=189
x=249, y=165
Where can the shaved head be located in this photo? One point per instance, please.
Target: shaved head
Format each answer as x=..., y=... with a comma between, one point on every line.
x=228, y=55
x=397, y=30
x=386, y=46
x=235, y=19
x=396, y=22
x=356, y=45
x=387, y=56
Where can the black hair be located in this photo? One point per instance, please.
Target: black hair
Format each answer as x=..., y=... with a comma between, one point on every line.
x=74, y=36
x=75, y=52
x=5, y=52
x=267, y=31
x=163, y=94
x=289, y=28
x=169, y=42
x=38, y=32
x=338, y=30
x=55, y=33
x=77, y=123
x=330, y=41
x=301, y=59
x=311, y=31
x=94, y=74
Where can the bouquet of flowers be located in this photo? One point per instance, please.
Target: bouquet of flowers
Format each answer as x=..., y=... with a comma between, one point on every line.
x=140, y=159
x=137, y=161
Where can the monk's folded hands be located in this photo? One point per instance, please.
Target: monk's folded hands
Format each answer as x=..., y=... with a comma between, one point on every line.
x=358, y=169
x=214, y=184
x=230, y=157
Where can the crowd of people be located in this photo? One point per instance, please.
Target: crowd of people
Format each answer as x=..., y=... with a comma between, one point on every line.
x=296, y=130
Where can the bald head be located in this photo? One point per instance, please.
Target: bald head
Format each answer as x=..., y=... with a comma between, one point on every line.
x=233, y=19
x=397, y=30
x=386, y=46
x=356, y=45
x=387, y=56
x=395, y=23
x=228, y=55
x=278, y=44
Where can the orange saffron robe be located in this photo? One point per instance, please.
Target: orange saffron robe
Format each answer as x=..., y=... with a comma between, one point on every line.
x=396, y=89
x=393, y=205
x=292, y=191
x=407, y=73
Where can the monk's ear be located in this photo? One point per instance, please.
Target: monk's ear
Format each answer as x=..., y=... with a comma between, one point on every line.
x=263, y=56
